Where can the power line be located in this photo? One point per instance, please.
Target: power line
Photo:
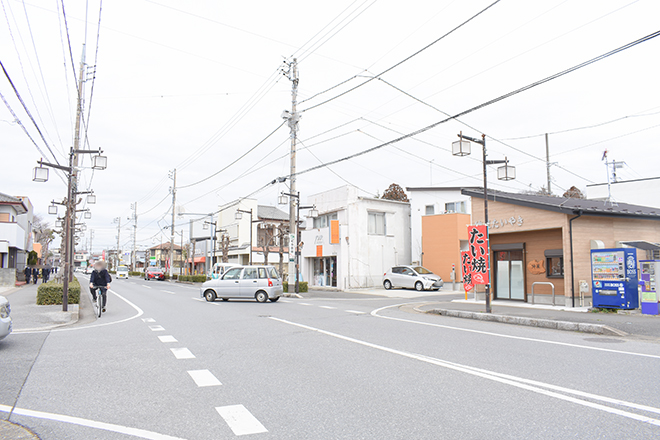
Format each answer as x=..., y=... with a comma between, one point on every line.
x=405, y=59
x=487, y=103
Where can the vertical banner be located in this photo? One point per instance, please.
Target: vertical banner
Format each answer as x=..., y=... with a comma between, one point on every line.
x=334, y=231
x=478, y=250
x=466, y=271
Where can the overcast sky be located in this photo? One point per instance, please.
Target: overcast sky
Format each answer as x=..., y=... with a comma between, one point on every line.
x=195, y=85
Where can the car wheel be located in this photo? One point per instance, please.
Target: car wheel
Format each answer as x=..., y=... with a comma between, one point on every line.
x=387, y=284
x=261, y=296
x=274, y=299
x=419, y=286
x=225, y=299
x=209, y=295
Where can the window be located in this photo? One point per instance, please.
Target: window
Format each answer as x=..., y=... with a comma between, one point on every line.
x=323, y=221
x=430, y=209
x=250, y=273
x=262, y=273
x=377, y=223
x=452, y=207
x=233, y=274
x=272, y=273
x=554, y=263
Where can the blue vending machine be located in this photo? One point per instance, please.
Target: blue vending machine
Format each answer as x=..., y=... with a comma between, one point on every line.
x=614, y=278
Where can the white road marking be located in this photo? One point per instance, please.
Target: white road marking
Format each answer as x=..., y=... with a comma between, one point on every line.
x=514, y=381
x=328, y=307
x=134, y=432
x=167, y=338
x=148, y=320
x=240, y=420
x=304, y=304
x=168, y=291
x=198, y=299
x=204, y=378
x=146, y=287
x=182, y=353
x=356, y=312
x=501, y=335
x=157, y=328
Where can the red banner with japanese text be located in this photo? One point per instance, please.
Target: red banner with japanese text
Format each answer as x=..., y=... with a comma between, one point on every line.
x=466, y=271
x=478, y=254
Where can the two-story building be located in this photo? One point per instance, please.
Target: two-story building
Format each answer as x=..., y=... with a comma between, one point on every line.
x=15, y=236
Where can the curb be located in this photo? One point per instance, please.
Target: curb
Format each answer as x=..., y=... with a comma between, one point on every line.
x=14, y=431
x=75, y=317
x=291, y=295
x=598, y=329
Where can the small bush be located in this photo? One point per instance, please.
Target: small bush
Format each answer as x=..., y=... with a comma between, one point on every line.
x=112, y=272
x=135, y=274
x=174, y=276
x=193, y=278
x=52, y=293
x=302, y=287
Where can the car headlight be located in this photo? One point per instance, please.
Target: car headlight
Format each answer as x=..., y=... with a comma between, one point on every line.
x=4, y=312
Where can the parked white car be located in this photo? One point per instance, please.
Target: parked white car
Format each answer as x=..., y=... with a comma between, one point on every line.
x=5, y=319
x=259, y=282
x=122, y=272
x=412, y=277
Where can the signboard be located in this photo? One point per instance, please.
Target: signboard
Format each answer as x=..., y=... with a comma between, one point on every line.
x=477, y=255
x=466, y=271
x=334, y=231
x=292, y=247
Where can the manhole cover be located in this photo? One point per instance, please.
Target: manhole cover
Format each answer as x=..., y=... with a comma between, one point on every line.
x=605, y=340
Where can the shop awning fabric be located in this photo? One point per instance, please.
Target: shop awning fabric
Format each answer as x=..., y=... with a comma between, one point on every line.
x=642, y=244
x=197, y=260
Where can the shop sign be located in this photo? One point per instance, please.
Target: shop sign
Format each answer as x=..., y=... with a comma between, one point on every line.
x=536, y=267
x=334, y=231
x=511, y=221
x=466, y=271
x=475, y=263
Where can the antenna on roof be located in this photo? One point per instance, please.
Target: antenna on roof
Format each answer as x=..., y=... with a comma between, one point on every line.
x=615, y=166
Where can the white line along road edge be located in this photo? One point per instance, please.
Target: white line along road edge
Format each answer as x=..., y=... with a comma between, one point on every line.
x=505, y=379
x=135, y=432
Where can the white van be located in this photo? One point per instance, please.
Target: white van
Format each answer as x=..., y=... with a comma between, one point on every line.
x=122, y=272
x=219, y=269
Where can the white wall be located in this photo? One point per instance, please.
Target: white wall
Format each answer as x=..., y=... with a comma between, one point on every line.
x=419, y=199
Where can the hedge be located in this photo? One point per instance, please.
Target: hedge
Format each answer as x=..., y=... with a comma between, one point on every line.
x=193, y=278
x=302, y=287
x=51, y=293
x=174, y=276
x=135, y=274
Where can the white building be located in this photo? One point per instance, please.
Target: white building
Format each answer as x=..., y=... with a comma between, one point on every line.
x=642, y=192
x=354, y=240
x=431, y=201
x=15, y=236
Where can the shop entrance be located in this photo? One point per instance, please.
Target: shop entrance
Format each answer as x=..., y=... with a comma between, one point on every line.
x=509, y=275
x=325, y=271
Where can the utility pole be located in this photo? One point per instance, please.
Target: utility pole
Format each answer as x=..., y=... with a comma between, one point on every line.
x=91, y=238
x=135, y=217
x=293, y=118
x=118, y=221
x=547, y=162
x=173, y=176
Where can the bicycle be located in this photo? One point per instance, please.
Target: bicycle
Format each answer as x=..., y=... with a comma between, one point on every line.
x=99, y=300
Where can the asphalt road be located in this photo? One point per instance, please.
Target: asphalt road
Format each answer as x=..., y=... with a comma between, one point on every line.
x=162, y=364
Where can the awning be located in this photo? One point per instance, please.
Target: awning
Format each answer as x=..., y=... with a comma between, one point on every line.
x=643, y=244
x=197, y=260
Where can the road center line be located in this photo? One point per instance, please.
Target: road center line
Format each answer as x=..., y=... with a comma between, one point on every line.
x=168, y=291
x=496, y=377
x=182, y=353
x=135, y=432
x=167, y=338
x=328, y=307
x=204, y=378
x=157, y=328
x=501, y=335
x=356, y=312
x=147, y=287
x=148, y=320
x=240, y=420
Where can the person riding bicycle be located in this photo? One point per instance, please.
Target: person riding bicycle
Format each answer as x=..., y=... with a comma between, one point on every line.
x=100, y=279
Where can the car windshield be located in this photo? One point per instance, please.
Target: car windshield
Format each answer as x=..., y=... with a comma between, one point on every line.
x=422, y=270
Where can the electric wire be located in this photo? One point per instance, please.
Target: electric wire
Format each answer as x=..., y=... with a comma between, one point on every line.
x=96, y=56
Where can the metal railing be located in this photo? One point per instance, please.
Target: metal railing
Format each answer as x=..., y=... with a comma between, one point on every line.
x=547, y=284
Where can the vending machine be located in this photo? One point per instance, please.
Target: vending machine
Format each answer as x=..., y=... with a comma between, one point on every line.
x=614, y=278
x=648, y=272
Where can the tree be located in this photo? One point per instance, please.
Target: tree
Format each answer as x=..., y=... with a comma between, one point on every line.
x=42, y=235
x=543, y=191
x=573, y=193
x=395, y=192
x=33, y=258
x=282, y=237
x=266, y=239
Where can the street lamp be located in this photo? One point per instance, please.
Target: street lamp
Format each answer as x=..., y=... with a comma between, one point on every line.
x=52, y=209
x=282, y=200
x=99, y=162
x=40, y=174
x=462, y=148
x=91, y=199
x=88, y=215
x=239, y=216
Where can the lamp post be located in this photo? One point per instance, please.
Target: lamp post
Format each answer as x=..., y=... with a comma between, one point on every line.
x=238, y=216
x=214, y=237
x=40, y=174
x=312, y=213
x=462, y=148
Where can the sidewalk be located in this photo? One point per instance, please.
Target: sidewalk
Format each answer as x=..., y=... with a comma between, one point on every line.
x=28, y=316
x=623, y=323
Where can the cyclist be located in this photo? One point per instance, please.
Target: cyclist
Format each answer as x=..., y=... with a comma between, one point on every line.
x=100, y=279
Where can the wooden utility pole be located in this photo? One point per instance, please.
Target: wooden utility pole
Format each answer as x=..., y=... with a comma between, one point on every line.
x=547, y=163
x=293, y=125
x=172, y=226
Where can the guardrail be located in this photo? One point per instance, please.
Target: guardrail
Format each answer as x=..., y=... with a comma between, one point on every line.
x=547, y=284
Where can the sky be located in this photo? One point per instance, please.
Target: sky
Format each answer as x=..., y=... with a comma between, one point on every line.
x=194, y=86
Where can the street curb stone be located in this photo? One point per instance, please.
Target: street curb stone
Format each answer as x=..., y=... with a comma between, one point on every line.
x=598, y=329
x=13, y=431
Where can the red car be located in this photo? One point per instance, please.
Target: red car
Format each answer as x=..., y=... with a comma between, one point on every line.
x=154, y=273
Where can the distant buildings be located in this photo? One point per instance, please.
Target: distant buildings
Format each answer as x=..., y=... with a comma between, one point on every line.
x=15, y=236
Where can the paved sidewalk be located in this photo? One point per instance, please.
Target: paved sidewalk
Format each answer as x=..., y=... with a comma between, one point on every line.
x=28, y=316
x=12, y=431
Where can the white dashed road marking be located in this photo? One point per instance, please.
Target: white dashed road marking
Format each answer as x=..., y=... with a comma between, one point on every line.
x=157, y=328
x=356, y=312
x=240, y=420
x=168, y=338
x=328, y=307
x=204, y=378
x=148, y=320
x=167, y=291
x=304, y=304
x=147, y=287
x=182, y=353
x=198, y=299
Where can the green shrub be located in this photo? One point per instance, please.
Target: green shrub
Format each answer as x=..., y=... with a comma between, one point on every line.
x=112, y=272
x=52, y=293
x=193, y=278
x=174, y=276
x=302, y=287
x=135, y=274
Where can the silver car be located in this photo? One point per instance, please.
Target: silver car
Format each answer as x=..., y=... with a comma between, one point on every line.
x=259, y=282
x=5, y=319
x=412, y=277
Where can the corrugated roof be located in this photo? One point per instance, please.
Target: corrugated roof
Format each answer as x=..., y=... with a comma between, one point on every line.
x=570, y=206
x=271, y=213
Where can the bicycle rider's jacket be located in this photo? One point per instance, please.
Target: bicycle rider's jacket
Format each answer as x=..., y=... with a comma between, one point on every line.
x=100, y=278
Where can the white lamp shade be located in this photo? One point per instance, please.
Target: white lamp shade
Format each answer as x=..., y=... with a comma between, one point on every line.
x=506, y=172
x=40, y=174
x=88, y=215
x=59, y=223
x=282, y=200
x=205, y=226
x=461, y=148
x=52, y=210
x=91, y=199
x=313, y=213
x=99, y=162
x=238, y=215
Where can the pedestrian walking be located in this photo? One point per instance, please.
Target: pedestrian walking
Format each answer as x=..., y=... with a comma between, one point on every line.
x=27, y=273
x=35, y=274
x=45, y=274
